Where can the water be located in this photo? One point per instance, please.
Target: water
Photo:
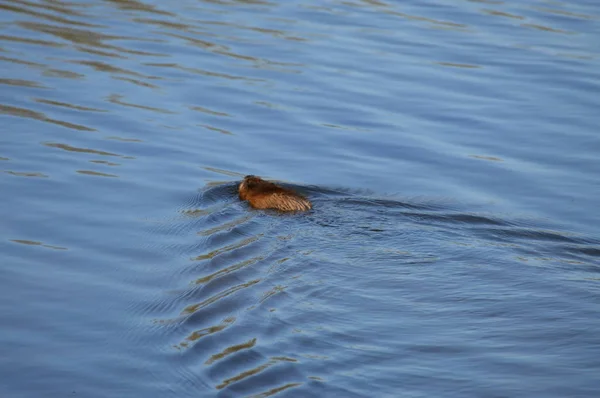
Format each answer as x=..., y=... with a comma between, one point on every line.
x=450, y=149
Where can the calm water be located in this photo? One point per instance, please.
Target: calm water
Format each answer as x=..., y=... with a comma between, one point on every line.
x=451, y=149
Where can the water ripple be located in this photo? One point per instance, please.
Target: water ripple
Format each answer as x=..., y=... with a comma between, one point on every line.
x=26, y=113
x=235, y=284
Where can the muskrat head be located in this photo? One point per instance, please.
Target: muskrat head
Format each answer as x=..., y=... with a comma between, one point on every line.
x=249, y=182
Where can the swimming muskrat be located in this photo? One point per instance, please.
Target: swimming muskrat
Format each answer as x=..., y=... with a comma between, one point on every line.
x=263, y=194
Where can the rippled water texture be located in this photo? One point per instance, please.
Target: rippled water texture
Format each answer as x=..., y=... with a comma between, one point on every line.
x=450, y=149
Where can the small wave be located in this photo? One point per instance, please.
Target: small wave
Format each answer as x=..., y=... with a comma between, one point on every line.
x=242, y=267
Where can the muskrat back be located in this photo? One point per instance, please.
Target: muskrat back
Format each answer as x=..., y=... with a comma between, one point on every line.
x=263, y=194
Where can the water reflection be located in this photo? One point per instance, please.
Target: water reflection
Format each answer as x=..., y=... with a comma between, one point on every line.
x=231, y=350
x=26, y=113
x=70, y=148
x=96, y=173
x=546, y=28
x=116, y=99
x=502, y=14
x=67, y=105
x=105, y=162
x=25, y=174
x=35, y=243
x=23, y=83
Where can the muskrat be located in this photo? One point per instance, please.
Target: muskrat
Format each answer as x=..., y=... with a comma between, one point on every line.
x=263, y=194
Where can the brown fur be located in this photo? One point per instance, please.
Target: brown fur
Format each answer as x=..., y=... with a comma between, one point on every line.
x=263, y=194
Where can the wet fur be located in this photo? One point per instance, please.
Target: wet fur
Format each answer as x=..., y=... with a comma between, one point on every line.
x=263, y=194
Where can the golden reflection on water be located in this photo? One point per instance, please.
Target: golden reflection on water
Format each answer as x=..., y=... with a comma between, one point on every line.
x=20, y=61
x=70, y=148
x=20, y=82
x=104, y=67
x=197, y=42
x=275, y=390
x=96, y=173
x=123, y=139
x=198, y=334
x=227, y=270
x=51, y=6
x=67, y=105
x=209, y=111
x=138, y=6
x=25, y=174
x=226, y=225
x=224, y=172
x=26, y=113
x=25, y=40
x=196, y=212
x=566, y=13
x=457, y=65
x=65, y=74
x=218, y=130
x=190, y=309
x=501, y=14
x=274, y=291
x=116, y=99
x=254, y=371
x=227, y=248
x=73, y=35
x=36, y=243
x=202, y=71
x=105, y=162
x=230, y=350
x=447, y=24
x=546, y=28
x=491, y=158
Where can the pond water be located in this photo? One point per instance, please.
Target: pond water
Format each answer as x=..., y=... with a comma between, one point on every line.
x=450, y=148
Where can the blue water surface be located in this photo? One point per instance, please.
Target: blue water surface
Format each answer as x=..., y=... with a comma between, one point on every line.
x=450, y=149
